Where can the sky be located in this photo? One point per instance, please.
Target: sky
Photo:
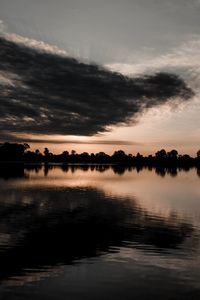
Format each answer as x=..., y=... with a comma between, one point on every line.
x=100, y=75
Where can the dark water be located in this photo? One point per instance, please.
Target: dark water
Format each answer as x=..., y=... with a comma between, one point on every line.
x=99, y=233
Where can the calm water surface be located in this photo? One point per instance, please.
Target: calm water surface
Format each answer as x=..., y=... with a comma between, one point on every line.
x=99, y=233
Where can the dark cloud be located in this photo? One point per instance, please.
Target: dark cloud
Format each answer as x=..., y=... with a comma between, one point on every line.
x=47, y=93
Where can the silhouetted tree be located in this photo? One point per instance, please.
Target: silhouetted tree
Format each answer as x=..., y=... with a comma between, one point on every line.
x=73, y=152
x=37, y=151
x=47, y=154
x=65, y=153
x=13, y=152
x=198, y=153
x=161, y=154
x=172, y=154
x=46, y=151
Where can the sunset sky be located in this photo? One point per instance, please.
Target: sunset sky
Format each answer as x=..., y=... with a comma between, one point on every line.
x=65, y=69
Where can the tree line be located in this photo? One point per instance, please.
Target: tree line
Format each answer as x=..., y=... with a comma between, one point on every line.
x=15, y=152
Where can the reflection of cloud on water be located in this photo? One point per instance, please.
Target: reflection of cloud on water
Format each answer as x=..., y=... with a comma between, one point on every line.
x=147, y=185
x=32, y=275
x=57, y=226
x=143, y=183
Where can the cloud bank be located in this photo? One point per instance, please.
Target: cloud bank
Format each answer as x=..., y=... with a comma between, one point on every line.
x=44, y=91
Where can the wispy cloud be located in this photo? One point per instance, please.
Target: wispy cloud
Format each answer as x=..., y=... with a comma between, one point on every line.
x=34, y=44
x=183, y=60
x=2, y=26
x=23, y=138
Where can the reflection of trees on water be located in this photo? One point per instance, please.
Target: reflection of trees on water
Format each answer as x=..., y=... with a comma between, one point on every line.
x=163, y=171
x=55, y=227
x=13, y=171
x=22, y=170
x=198, y=172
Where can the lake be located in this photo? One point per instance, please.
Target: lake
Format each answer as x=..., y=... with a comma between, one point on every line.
x=99, y=232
